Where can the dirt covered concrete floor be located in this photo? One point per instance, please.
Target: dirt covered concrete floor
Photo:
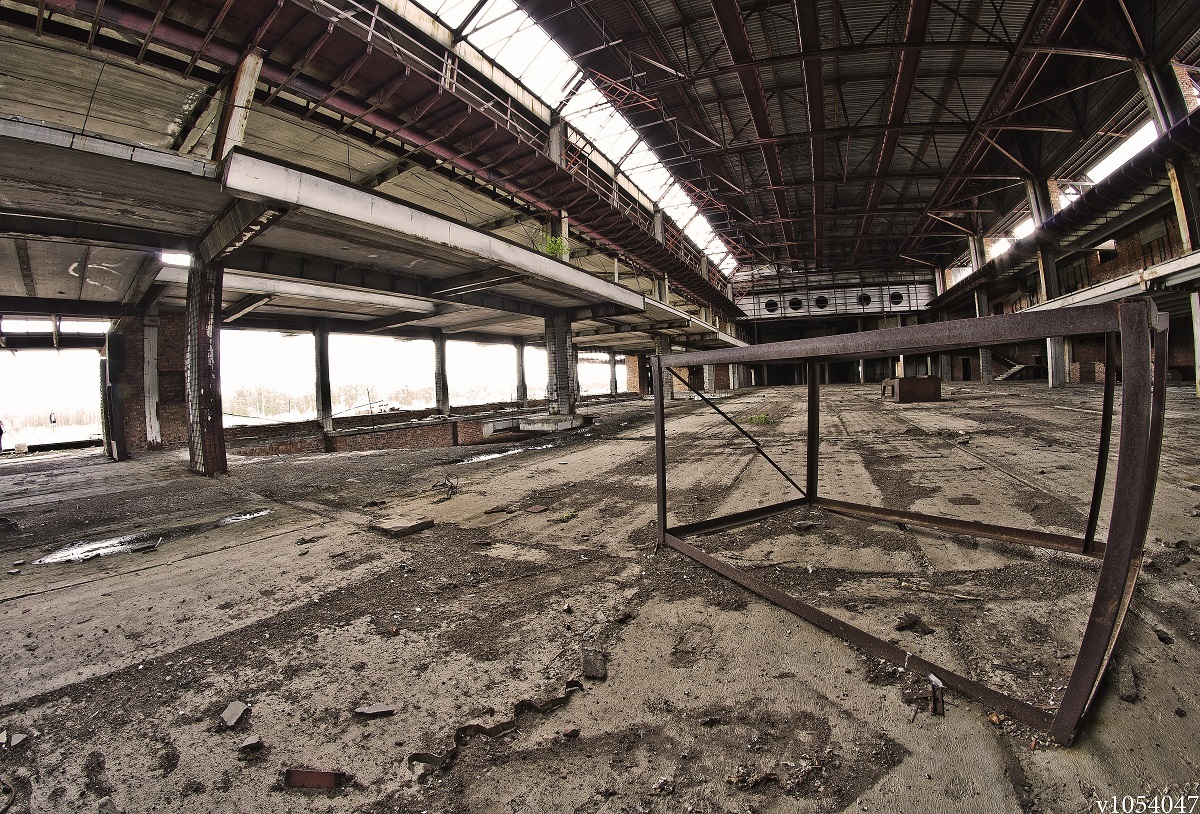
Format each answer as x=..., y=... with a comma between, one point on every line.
x=116, y=670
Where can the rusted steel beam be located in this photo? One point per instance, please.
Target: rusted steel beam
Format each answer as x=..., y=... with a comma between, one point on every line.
x=737, y=40
x=915, y=29
x=1143, y=347
x=1014, y=708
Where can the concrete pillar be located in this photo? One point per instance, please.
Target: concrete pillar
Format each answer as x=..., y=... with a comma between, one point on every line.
x=560, y=228
x=559, y=354
x=945, y=360
x=710, y=378
x=323, y=388
x=522, y=387
x=1195, y=298
x=613, y=389
x=735, y=377
x=982, y=309
x=115, y=436
x=862, y=372
x=900, y=367
x=232, y=130
x=662, y=346
x=202, y=366
x=1056, y=361
x=659, y=227
x=441, y=384
x=150, y=380
x=576, y=391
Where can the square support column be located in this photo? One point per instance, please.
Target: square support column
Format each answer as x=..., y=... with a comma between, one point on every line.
x=612, y=373
x=324, y=391
x=150, y=325
x=202, y=367
x=710, y=378
x=522, y=387
x=982, y=308
x=441, y=385
x=1195, y=300
x=662, y=346
x=1056, y=361
x=560, y=387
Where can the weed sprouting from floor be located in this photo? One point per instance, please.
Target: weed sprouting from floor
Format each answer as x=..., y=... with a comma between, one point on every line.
x=762, y=419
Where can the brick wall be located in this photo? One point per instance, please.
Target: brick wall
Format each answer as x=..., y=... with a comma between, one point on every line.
x=635, y=381
x=172, y=392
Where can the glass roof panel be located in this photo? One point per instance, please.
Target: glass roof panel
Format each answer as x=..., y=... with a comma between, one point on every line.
x=509, y=36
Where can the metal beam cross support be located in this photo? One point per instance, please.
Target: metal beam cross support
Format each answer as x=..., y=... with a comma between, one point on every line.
x=1143, y=348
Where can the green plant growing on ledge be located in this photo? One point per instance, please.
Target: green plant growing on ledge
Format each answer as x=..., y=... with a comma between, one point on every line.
x=762, y=419
x=552, y=245
x=566, y=518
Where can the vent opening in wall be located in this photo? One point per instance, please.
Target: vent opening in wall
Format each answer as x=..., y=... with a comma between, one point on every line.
x=821, y=302
x=771, y=306
x=795, y=303
x=864, y=300
x=896, y=297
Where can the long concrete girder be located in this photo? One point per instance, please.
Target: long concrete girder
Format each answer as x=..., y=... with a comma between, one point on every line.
x=589, y=188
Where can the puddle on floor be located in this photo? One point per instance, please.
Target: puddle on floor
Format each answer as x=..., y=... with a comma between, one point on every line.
x=489, y=456
x=141, y=541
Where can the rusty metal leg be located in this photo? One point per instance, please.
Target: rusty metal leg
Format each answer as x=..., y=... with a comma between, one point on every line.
x=660, y=447
x=1110, y=385
x=1127, y=526
x=814, y=430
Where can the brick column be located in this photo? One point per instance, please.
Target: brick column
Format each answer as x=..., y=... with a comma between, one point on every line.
x=202, y=365
x=559, y=355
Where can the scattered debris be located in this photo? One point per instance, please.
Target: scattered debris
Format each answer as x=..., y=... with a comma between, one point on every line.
x=926, y=589
x=1163, y=636
x=375, y=711
x=6, y=524
x=806, y=525
x=501, y=509
x=1180, y=712
x=995, y=719
x=10, y=791
x=664, y=786
x=711, y=721
x=251, y=744
x=593, y=663
x=401, y=526
x=12, y=572
x=535, y=509
x=17, y=739
x=570, y=733
x=1008, y=668
x=314, y=779
x=233, y=713
x=371, y=504
x=18, y=563
x=937, y=696
x=337, y=554
x=748, y=777
x=107, y=806
x=1127, y=689
x=567, y=609
x=448, y=484
x=464, y=734
x=910, y=621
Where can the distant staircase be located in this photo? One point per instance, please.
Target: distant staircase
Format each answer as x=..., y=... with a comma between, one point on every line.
x=1012, y=372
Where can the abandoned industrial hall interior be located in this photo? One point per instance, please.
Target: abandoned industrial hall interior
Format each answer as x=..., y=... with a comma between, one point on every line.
x=603, y=406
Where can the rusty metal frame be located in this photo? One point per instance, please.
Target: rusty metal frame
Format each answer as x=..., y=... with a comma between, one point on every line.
x=1142, y=331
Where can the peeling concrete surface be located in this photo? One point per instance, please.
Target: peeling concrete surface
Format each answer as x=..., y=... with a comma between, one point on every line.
x=118, y=668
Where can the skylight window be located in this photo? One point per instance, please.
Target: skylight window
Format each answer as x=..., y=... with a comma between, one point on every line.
x=1141, y=138
x=504, y=32
x=1023, y=229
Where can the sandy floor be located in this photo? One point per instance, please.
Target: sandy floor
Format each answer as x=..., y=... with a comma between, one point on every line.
x=117, y=669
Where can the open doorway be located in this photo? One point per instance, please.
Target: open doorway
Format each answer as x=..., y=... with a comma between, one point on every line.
x=50, y=399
